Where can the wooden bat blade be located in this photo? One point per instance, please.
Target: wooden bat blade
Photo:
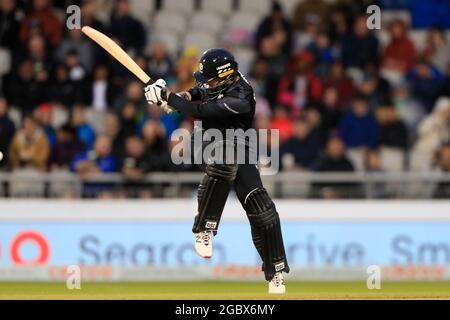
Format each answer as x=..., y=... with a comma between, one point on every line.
x=117, y=52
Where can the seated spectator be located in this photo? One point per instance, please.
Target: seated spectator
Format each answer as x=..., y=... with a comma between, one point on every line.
x=358, y=127
x=76, y=42
x=135, y=163
x=276, y=21
x=433, y=131
x=113, y=130
x=10, y=20
x=29, y=147
x=442, y=190
x=7, y=129
x=323, y=52
x=126, y=29
x=283, y=122
x=184, y=78
x=304, y=145
x=426, y=83
x=62, y=90
x=134, y=94
x=128, y=120
x=160, y=64
x=337, y=78
x=156, y=146
x=393, y=132
x=102, y=91
x=304, y=9
x=67, y=147
x=78, y=76
x=360, y=47
x=85, y=133
x=334, y=160
x=23, y=89
x=302, y=86
x=437, y=51
x=44, y=116
x=42, y=13
x=100, y=159
x=400, y=54
x=409, y=109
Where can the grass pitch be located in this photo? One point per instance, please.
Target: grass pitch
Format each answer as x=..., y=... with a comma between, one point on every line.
x=224, y=290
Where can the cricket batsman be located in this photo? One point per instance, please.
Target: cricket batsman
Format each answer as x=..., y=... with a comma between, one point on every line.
x=223, y=99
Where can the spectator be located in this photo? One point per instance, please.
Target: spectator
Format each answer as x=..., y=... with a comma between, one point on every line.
x=358, y=127
x=103, y=91
x=160, y=65
x=426, y=83
x=10, y=22
x=76, y=42
x=433, y=131
x=43, y=14
x=408, y=108
x=29, y=147
x=359, y=47
x=7, y=129
x=442, y=190
x=135, y=163
x=97, y=160
x=337, y=78
x=334, y=160
x=323, y=53
x=302, y=86
x=66, y=148
x=44, y=116
x=134, y=94
x=282, y=122
x=275, y=23
x=128, y=122
x=127, y=30
x=85, y=133
x=23, y=89
x=437, y=51
x=303, y=11
x=62, y=90
x=114, y=132
x=393, y=132
x=400, y=54
x=156, y=146
x=304, y=145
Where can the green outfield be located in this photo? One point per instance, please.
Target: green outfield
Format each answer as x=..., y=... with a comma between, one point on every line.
x=224, y=290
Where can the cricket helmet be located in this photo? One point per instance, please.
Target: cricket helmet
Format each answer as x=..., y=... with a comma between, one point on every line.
x=215, y=64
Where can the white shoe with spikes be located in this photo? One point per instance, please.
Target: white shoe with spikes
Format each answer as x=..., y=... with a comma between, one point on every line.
x=203, y=244
x=276, y=285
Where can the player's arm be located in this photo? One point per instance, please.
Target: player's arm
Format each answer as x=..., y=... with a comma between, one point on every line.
x=224, y=107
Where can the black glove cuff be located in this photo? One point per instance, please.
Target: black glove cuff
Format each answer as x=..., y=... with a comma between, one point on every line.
x=164, y=94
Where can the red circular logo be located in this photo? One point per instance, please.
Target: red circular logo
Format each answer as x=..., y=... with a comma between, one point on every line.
x=36, y=238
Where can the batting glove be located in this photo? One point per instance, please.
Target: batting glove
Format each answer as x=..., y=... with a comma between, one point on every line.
x=156, y=92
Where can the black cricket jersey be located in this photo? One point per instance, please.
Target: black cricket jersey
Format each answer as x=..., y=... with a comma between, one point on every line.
x=232, y=109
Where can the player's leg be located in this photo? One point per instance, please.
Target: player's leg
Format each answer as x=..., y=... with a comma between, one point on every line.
x=212, y=194
x=265, y=225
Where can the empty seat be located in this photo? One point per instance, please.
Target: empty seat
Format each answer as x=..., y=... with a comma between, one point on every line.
x=243, y=20
x=419, y=38
x=356, y=157
x=60, y=116
x=95, y=119
x=256, y=7
x=170, y=21
x=202, y=40
x=223, y=6
x=170, y=40
x=245, y=59
x=15, y=114
x=392, y=159
x=142, y=11
x=206, y=20
x=184, y=6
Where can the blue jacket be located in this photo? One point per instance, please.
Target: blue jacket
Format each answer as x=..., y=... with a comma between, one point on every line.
x=359, y=131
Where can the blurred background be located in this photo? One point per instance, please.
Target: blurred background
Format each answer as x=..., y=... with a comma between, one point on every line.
x=362, y=114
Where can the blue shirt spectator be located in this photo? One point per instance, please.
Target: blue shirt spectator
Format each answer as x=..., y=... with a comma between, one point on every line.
x=358, y=128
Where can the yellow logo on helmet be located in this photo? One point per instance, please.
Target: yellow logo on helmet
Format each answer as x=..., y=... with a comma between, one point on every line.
x=226, y=73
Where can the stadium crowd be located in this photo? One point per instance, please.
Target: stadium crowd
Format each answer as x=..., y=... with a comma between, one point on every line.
x=341, y=100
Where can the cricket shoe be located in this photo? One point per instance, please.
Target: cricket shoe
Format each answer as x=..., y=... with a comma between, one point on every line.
x=276, y=285
x=203, y=244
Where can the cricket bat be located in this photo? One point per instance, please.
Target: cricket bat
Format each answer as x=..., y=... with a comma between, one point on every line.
x=117, y=52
